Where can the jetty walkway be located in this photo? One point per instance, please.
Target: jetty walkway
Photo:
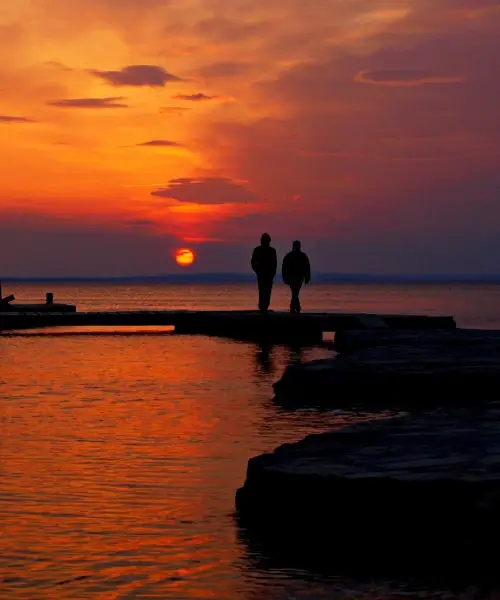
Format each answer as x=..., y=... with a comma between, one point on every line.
x=241, y=325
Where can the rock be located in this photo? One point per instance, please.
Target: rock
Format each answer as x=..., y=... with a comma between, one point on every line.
x=408, y=493
x=350, y=340
x=426, y=374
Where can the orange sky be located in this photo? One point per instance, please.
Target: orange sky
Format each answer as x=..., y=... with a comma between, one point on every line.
x=368, y=128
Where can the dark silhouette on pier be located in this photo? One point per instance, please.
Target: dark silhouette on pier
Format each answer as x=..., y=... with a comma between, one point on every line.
x=265, y=265
x=296, y=271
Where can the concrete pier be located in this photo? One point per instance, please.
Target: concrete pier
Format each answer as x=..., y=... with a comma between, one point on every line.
x=7, y=305
x=242, y=325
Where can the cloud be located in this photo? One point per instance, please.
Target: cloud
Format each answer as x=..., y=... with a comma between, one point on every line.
x=137, y=75
x=403, y=78
x=13, y=119
x=208, y=190
x=161, y=143
x=199, y=97
x=176, y=110
x=89, y=103
x=223, y=69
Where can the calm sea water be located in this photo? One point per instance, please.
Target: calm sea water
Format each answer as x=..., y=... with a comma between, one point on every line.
x=473, y=305
x=120, y=456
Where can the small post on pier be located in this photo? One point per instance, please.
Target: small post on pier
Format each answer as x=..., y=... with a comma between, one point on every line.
x=49, y=298
x=5, y=301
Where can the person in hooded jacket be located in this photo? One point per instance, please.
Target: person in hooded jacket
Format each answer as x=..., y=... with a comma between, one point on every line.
x=265, y=264
x=296, y=271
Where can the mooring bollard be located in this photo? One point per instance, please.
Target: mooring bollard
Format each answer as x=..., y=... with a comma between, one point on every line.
x=49, y=298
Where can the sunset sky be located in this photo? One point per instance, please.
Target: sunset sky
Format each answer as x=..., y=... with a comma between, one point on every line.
x=369, y=129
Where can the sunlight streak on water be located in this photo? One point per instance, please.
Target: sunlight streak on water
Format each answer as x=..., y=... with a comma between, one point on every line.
x=120, y=459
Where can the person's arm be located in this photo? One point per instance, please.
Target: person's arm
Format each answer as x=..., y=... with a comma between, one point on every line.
x=254, y=261
x=307, y=269
x=275, y=262
x=284, y=271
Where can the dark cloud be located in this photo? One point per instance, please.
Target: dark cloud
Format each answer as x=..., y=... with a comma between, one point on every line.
x=404, y=77
x=137, y=75
x=161, y=143
x=199, y=97
x=208, y=190
x=13, y=119
x=89, y=103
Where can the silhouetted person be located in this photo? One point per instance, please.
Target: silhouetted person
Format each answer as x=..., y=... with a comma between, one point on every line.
x=265, y=265
x=296, y=271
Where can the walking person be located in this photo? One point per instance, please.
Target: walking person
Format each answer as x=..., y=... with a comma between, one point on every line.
x=296, y=271
x=265, y=265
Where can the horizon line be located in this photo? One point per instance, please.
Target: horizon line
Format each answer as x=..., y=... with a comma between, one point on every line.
x=240, y=277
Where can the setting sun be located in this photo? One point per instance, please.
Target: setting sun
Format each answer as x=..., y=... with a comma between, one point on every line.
x=184, y=257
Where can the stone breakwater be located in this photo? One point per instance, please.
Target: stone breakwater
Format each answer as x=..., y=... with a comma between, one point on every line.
x=398, y=369
x=351, y=340
x=407, y=495
x=403, y=494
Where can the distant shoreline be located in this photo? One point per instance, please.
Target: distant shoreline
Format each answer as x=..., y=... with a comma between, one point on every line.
x=234, y=278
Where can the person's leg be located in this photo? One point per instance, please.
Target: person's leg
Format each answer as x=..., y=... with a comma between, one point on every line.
x=269, y=291
x=265, y=288
x=260, y=283
x=295, y=304
x=299, y=286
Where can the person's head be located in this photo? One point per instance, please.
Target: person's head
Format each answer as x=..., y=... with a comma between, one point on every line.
x=296, y=246
x=265, y=239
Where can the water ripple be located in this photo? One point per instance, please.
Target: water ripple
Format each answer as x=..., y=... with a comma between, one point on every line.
x=120, y=459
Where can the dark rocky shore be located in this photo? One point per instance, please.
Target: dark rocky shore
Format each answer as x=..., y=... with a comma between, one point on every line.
x=403, y=494
x=413, y=494
x=393, y=369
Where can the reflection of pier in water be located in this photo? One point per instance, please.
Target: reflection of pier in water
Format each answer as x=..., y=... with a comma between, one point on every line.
x=278, y=327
